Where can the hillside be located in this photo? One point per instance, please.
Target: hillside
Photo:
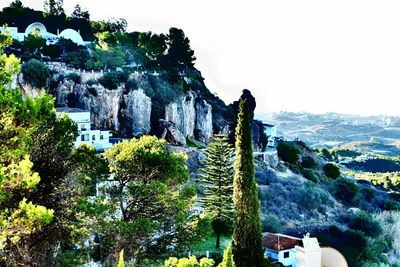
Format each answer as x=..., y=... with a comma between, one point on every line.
x=299, y=195
x=378, y=134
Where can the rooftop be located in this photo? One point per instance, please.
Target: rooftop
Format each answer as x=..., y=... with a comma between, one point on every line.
x=70, y=110
x=280, y=242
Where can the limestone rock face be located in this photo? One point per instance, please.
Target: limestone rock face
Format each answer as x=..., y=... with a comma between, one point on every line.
x=204, y=125
x=137, y=112
x=171, y=134
x=192, y=116
x=129, y=112
x=183, y=114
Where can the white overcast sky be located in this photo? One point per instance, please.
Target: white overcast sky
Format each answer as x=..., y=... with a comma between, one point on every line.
x=315, y=56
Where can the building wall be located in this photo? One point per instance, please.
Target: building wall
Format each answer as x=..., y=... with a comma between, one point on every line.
x=280, y=257
x=308, y=258
x=99, y=139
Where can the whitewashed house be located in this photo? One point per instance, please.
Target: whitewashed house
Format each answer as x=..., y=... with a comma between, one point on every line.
x=281, y=248
x=51, y=38
x=291, y=251
x=97, y=138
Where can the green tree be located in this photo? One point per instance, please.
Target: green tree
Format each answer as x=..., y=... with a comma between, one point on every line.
x=147, y=192
x=217, y=180
x=16, y=4
x=35, y=73
x=79, y=13
x=34, y=43
x=43, y=179
x=227, y=261
x=247, y=239
x=54, y=7
x=179, y=50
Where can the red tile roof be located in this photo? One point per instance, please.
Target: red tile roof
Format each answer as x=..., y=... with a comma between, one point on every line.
x=280, y=242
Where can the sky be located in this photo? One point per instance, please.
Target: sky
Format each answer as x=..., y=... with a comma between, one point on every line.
x=294, y=55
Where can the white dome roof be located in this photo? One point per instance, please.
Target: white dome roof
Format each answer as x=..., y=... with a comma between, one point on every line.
x=72, y=35
x=36, y=25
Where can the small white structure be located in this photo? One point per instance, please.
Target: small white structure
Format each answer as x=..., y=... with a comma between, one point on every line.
x=51, y=38
x=309, y=254
x=99, y=139
x=281, y=248
x=332, y=258
x=272, y=132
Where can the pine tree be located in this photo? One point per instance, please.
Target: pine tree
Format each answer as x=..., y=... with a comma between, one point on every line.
x=217, y=180
x=227, y=261
x=247, y=239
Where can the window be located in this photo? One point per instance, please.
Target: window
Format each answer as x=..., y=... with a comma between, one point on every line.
x=83, y=127
x=101, y=137
x=286, y=254
x=93, y=137
x=84, y=137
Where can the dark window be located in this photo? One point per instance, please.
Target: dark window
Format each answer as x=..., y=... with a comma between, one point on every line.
x=286, y=254
x=101, y=137
x=93, y=137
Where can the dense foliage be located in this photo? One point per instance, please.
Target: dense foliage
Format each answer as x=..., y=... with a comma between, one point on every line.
x=148, y=194
x=35, y=73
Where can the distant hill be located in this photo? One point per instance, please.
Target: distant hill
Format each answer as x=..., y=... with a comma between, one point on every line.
x=379, y=133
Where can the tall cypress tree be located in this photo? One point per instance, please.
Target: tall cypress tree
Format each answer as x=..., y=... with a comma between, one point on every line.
x=247, y=239
x=217, y=180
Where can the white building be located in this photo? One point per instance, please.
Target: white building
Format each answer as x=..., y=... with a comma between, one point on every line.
x=291, y=251
x=309, y=254
x=281, y=248
x=99, y=139
x=272, y=132
x=51, y=38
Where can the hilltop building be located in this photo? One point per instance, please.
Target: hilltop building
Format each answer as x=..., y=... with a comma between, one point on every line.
x=99, y=139
x=51, y=38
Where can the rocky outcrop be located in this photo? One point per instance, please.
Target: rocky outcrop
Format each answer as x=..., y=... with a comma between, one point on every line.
x=191, y=116
x=183, y=114
x=136, y=112
x=171, y=134
x=204, y=126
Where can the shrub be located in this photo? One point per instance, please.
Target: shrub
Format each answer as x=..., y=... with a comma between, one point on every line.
x=310, y=198
x=188, y=262
x=288, y=153
x=35, y=73
x=364, y=222
x=271, y=223
x=308, y=162
x=331, y=170
x=310, y=175
x=346, y=191
x=131, y=84
x=390, y=204
x=111, y=80
x=92, y=82
x=77, y=59
x=76, y=78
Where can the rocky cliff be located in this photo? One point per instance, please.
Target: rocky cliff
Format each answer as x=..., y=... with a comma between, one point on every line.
x=129, y=111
